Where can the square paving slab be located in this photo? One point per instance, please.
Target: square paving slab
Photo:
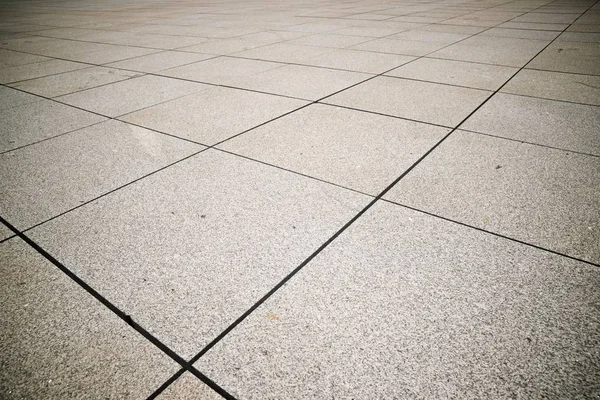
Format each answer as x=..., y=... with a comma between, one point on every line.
x=404, y=305
x=133, y=94
x=420, y=101
x=59, y=342
x=172, y=248
x=542, y=196
x=362, y=151
x=45, y=179
x=214, y=115
x=30, y=123
x=546, y=122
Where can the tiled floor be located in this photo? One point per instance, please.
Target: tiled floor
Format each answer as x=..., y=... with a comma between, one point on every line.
x=300, y=199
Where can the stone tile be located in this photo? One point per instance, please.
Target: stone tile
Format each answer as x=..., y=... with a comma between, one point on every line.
x=188, y=387
x=556, y=85
x=9, y=58
x=51, y=177
x=575, y=57
x=301, y=82
x=546, y=122
x=221, y=70
x=74, y=81
x=223, y=46
x=521, y=33
x=112, y=54
x=359, y=61
x=547, y=18
x=213, y=115
x=330, y=40
x=478, y=76
x=171, y=249
x=5, y=233
x=421, y=101
x=369, y=31
x=133, y=94
x=438, y=311
x=13, y=98
x=59, y=342
x=428, y=36
x=362, y=151
x=397, y=46
x=512, y=52
x=283, y=52
x=160, y=61
x=461, y=29
x=37, y=70
x=542, y=196
x=534, y=26
x=41, y=120
x=579, y=37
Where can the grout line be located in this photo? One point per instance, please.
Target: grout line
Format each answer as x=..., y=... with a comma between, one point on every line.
x=122, y=315
x=530, y=143
x=491, y=233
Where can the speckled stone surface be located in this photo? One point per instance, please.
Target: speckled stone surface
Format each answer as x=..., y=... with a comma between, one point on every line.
x=542, y=196
x=58, y=342
x=551, y=123
x=213, y=115
x=338, y=145
x=313, y=109
x=422, y=101
x=188, y=387
x=131, y=95
x=405, y=305
x=30, y=123
x=51, y=177
x=173, y=248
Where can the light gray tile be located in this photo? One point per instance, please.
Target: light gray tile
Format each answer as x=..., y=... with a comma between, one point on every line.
x=51, y=177
x=223, y=46
x=512, y=52
x=592, y=37
x=213, y=115
x=112, y=54
x=188, y=387
x=359, y=61
x=283, y=52
x=542, y=196
x=404, y=305
x=421, y=101
x=160, y=61
x=74, y=81
x=9, y=58
x=5, y=232
x=521, y=33
x=428, y=36
x=534, y=25
x=36, y=70
x=59, y=342
x=133, y=94
x=362, y=151
x=221, y=70
x=546, y=122
x=33, y=122
x=369, y=31
x=172, y=249
x=13, y=98
x=330, y=40
x=397, y=46
x=478, y=76
x=576, y=57
x=556, y=85
x=300, y=81
x=547, y=18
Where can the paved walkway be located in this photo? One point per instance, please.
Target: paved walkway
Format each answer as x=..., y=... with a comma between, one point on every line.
x=300, y=200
